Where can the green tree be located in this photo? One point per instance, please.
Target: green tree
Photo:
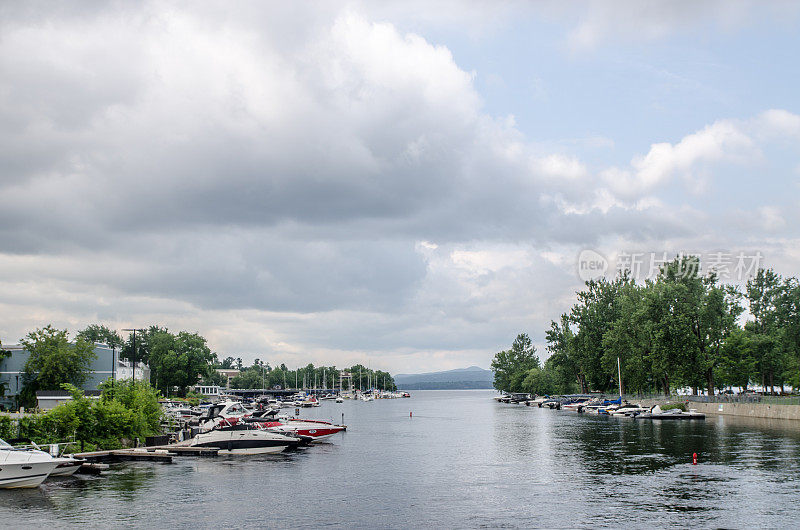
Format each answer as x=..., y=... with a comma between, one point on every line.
x=100, y=333
x=629, y=339
x=594, y=314
x=177, y=360
x=562, y=362
x=144, y=341
x=4, y=354
x=540, y=381
x=53, y=361
x=738, y=364
x=213, y=377
x=510, y=367
x=765, y=294
x=251, y=377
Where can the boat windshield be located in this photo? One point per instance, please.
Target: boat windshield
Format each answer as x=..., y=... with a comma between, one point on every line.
x=4, y=445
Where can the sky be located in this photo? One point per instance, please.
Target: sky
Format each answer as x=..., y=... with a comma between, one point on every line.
x=400, y=184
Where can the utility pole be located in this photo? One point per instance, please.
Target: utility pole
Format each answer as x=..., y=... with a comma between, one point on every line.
x=113, y=364
x=133, y=364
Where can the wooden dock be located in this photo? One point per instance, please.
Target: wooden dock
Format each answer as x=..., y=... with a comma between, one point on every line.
x=125, y=455
x=92, y=468
x=161, y=453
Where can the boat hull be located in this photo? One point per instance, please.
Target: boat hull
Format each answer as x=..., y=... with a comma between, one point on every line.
x=66, y=467
x=25, y=474
x=244, y=441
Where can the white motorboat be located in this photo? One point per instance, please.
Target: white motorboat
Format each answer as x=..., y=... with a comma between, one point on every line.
x=672, y=414
x=244, y=439
x=339, y=399
x=626, y=409
x=24, y=468
x=67, y=466
x=231, y=411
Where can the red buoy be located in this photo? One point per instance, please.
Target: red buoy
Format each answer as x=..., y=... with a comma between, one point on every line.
x=694, y=459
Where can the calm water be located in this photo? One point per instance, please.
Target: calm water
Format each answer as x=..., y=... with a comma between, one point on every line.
x=461, y=461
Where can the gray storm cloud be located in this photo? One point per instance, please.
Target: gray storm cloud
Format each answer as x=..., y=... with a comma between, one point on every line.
x=277, y=168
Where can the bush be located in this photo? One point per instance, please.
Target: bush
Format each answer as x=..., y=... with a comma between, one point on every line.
x=126, y=411
x=681, y=406
x=7, y=428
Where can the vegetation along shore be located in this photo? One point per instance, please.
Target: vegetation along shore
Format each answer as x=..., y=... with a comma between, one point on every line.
x=683, y=330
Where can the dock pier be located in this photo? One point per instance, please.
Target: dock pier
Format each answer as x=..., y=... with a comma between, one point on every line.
x=159, y=453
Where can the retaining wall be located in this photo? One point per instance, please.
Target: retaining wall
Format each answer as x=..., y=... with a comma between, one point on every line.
x=752, y=410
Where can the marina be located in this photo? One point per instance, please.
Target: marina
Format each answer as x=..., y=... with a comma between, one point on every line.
x=516, y=466
x=229, y=427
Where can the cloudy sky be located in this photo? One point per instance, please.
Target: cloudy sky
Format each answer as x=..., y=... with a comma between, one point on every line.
x=406, y=186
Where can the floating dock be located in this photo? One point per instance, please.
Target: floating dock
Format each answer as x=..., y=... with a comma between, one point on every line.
x=161, y=453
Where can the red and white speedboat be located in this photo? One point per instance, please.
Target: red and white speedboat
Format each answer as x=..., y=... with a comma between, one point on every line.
x=317, y=429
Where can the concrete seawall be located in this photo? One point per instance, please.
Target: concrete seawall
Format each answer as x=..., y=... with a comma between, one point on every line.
x=751, y=410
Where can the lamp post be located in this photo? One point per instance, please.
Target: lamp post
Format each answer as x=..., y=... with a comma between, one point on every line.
x=133, y=363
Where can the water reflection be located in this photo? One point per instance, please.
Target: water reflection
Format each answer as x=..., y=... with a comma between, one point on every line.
x=462, y=461
x=128, y=480
x=26, y=499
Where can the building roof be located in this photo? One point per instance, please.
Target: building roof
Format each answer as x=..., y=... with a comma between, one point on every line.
x=65, y=394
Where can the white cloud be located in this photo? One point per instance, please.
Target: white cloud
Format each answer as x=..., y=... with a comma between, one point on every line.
x=559, y=166
x=770, y=218
x=690, y=159
x=601, y=22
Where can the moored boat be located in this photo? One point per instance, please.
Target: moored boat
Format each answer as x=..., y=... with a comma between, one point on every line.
x=24, y=468
x=67, y=466
x=245, y=439
x=673, y=414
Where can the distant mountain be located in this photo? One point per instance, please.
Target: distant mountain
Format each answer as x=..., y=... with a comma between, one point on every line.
x=460, y=378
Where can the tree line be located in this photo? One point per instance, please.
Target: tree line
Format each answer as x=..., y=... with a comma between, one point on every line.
x=680, y=330
x=261, y=375
x=177, y=361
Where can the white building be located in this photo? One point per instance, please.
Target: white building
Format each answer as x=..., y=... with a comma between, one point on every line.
x=208, y=390
x=127, y=370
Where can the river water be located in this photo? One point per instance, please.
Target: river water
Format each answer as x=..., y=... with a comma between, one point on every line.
x=462, y=460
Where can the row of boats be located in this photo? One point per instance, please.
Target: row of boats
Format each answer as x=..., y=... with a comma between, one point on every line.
x=234, y=428
x=598, y=405
x=298, y=400
x=231, y=426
